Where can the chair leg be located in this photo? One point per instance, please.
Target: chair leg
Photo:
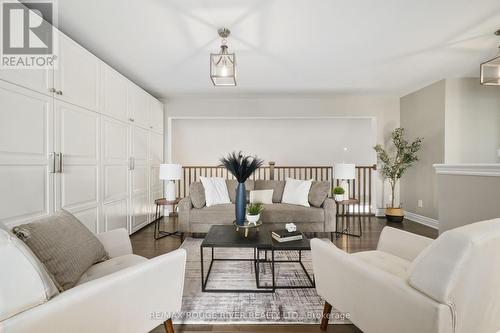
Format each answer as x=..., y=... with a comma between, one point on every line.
x=326, y=316
x=169, y=327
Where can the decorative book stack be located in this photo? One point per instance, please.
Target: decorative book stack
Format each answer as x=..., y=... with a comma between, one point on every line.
x=286, y=236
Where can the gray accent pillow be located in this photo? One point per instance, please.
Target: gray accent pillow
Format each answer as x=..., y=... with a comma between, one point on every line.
x=232, y=184
x=64, y=245
x=277, y=185
x=197, y=195
x=318, y=193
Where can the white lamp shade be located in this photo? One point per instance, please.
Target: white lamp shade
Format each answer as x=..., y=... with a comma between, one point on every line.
x=170, y=171
x=344, y=171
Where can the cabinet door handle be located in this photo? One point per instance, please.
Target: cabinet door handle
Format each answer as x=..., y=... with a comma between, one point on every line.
x=131, y=163
x=52, y=90
x=52, y=164
x=59, y=92
x=131, y=119
x=61, y=163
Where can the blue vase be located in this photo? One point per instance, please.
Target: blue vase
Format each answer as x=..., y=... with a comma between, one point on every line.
x=241, y=204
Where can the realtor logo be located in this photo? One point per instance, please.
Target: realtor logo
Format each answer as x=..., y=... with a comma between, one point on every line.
x=27, y=34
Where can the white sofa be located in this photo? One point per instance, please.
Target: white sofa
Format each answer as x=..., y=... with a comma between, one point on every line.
x=413, y=284
x=125, y=294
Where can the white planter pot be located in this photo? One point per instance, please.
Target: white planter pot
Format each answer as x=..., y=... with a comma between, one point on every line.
x=338, y=197
x=253, y=218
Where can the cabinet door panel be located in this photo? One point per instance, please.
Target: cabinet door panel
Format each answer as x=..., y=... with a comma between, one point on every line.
x=156, y=149
x=115, y=159
x=140, y=145
x=77, y=138
x=140, y=211
x=39, y=80
x=138, y=105
x=115, y=215
x=114, y=93
x=77, y=75
x=156, y=115
x=89, y=217
x=26, y=142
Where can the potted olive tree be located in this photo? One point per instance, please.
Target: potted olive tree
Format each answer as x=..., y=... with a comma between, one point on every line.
x=393, y=163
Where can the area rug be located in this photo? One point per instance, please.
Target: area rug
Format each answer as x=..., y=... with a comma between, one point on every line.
x=285, y=306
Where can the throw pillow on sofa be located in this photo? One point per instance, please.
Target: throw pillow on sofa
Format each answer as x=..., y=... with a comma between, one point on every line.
x=318, y=193
x=197, y=195
x=64, y=245
x=232, y=184
x=262, y=196
x=215, y=191
x=296, y=192
x=276, y=185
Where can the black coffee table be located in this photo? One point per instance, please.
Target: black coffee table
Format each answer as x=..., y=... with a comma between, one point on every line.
x=225, y=236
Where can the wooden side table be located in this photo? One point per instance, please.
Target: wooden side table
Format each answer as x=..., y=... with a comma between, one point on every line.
x=159, y=204
x=346, y=230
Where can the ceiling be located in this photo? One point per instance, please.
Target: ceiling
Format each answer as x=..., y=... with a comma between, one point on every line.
x=389, y=47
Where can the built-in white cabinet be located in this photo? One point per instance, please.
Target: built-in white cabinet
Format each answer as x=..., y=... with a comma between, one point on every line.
x=156, y=115
x=39, y=80
x=140, y=178
x=116, y=169
x=114, y=93
x=77, y=143
x=138, y=106
x=155, y=159
x=81, y=137
x=26, y=145
x=76, y=79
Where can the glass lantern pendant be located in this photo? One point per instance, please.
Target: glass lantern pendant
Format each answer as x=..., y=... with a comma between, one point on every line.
x=223, y=64
x=490, y=70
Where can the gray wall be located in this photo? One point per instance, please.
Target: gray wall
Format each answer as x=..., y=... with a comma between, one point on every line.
x=472, y=122
x=423, y=115
x=465, y=199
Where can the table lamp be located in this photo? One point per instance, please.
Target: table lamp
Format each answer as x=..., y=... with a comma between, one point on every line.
x=344, y=172
x=171, y=173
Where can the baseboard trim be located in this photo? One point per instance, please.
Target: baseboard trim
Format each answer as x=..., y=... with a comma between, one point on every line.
x=422, y=220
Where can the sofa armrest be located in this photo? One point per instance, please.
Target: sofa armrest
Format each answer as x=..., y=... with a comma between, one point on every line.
x=185, y=206
x=116, y=242
x=330, y=208
x=135, y=299
x=368, y=293
x=402, y=243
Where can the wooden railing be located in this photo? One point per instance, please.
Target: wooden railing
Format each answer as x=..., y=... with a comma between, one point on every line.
x=359, y=188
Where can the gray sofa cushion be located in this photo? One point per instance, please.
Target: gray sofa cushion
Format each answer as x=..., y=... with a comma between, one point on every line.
x=286, y=213
x=64, y=245
x=277, y=185
x=232, y=184
x=275, y=213
x=197, y=194
x=217, y=214
x=318, y=193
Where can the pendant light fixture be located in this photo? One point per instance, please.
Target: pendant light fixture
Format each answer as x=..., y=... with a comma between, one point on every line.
x=490, y=70
x=223, y=64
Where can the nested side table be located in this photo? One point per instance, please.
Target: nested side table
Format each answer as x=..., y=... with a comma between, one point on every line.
x=159, y=204
x=347, y=229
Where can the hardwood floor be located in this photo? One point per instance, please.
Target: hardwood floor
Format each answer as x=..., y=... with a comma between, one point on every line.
x=144, y=244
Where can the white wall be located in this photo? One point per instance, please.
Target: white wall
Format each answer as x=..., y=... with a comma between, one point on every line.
x=472, y=122
x=385, y=111
x=286, y=141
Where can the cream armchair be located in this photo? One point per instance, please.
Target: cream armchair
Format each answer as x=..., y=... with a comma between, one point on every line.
x=125, y=294
x=413, y=284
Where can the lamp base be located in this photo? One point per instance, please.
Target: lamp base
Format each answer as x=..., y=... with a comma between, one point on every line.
x=170, y=191
x=345, y=185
